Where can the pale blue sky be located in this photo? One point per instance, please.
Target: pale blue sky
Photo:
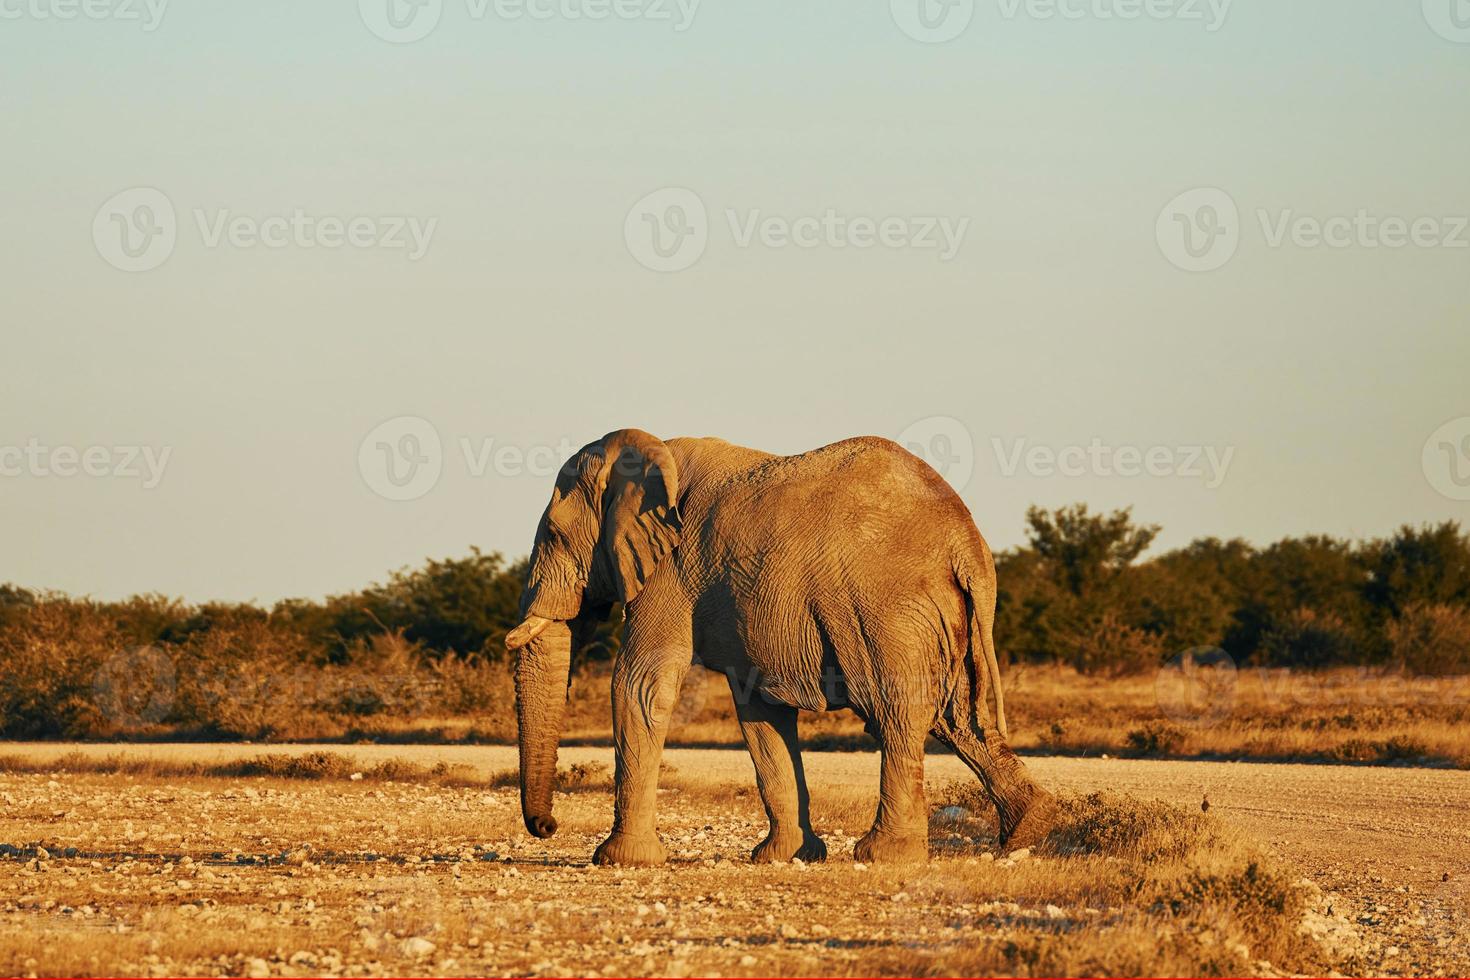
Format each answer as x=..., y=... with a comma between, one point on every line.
x=1059, y=321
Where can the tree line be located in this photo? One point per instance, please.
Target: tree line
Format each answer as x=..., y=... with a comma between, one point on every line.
x=1078, y=592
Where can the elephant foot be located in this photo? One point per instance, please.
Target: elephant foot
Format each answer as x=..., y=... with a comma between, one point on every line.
x=1036, y=822
x=628, y=850
x=877, y=846
x=783, y=847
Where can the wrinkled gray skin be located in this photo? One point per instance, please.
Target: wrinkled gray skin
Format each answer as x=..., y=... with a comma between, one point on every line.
x=851, y=576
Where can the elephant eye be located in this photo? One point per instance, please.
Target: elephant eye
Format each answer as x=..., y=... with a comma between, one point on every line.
x=557, y=533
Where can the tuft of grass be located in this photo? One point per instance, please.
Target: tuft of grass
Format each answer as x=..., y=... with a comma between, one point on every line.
x=1201, y=898
x=1123, y=827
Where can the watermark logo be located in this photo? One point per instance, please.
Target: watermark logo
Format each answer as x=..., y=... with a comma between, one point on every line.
x=1210, y=13
x=1197, y=687
x=1199, y=231
x=298, y=229
x=1450, y=19
x=406, y=21
x=41, y=461
x=1208, y=464
x=667, y=231
x=932, y=21
x=135, y=688
x=135, y=230
x=945, y=444
x=148, y=13
x=1446, y=459
x=402, y=458
x=1362, y=229
x=401, y=21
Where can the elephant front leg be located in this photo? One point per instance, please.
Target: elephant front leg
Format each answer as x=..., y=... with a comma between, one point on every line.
x=770, y=734
x=643, y=696
x=901, y=830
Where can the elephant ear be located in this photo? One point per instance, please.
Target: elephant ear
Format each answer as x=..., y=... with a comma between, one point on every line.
x=641, y=523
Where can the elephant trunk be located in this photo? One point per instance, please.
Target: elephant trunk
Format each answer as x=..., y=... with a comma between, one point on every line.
x=542, y=675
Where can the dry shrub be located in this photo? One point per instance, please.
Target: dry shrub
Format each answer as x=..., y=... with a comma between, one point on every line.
x=1180, y=893
x=1308, y=638
x=1155, y=739
x=1123, y=827
x=244, y=680
x=1431, y=639
x=51, y=655
x=1399, y=748
x=1109, y=646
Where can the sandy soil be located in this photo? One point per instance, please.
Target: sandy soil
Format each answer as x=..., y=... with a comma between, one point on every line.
x=1390, y=848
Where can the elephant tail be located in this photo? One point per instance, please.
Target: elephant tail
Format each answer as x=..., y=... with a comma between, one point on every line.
x=982, y=620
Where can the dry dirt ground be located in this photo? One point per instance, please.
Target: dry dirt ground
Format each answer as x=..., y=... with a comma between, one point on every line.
x=140, y=873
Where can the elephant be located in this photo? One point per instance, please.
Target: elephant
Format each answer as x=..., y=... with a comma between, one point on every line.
x=851, y=576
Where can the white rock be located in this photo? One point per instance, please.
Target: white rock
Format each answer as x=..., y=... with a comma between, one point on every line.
x=417, y=947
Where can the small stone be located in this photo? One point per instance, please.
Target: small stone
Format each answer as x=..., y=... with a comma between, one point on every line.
x=257, y=967
x=417, y=947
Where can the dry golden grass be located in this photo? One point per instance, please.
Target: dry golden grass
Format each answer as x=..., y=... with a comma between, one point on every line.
x=284, y=866
x=1344, y=715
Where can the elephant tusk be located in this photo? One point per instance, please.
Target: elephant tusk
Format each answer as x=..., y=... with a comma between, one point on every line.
x=533, y=627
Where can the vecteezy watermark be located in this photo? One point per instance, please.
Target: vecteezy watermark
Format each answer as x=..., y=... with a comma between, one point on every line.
x=945, y=444
x=1210, y=13
x=406, y=21
x=1197, y=687
x=1446, y=459
x=1450, y=19
x=932, y=21
x=136, y=230
x=404, y=458
x=401, y=459
x=1200, y=230
x=36, y=459
x=937, y=21
x=669, y=229
x=1194, y=462
x=135, y=688
x=1363, y=229
x=146, y=13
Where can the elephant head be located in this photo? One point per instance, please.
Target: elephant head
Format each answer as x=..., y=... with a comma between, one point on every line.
x=613, y=516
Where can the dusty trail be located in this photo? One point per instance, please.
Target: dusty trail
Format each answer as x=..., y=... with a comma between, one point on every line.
x=1393, y=843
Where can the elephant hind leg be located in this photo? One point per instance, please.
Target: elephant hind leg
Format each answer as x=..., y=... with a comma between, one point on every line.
x=1026, y=811
x=770, y=734
x=900, y=832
